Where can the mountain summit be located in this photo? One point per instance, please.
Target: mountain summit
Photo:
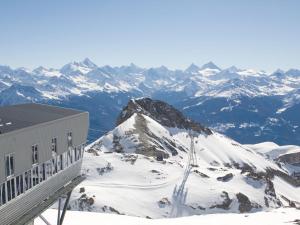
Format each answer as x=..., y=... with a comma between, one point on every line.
x=151, y=160
x=161, y=112
x=192, y=69
x=210, y=65
x=88, y=63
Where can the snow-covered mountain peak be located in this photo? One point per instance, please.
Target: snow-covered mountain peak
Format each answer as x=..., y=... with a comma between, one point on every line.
x=279, y=73
x=141, y=133
x=24, y=69
x=45, y=72
x=75, y=68
x=167, y=172
x=161, y=112
x=252, y=72
x=232, y=69
x=88, y=63
x=210, y=65
x=39, y=69
x=193, y=68
x=132, y=67
x=293, y=73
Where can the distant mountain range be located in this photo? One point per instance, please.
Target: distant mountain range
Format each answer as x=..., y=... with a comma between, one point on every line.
x=248, y=105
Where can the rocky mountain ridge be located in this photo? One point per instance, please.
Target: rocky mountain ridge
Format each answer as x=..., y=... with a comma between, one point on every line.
x=161, y=112
x=167, y=172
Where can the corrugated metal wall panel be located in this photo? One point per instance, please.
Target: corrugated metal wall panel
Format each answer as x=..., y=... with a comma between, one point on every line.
x=21, y=205
x=20, y=142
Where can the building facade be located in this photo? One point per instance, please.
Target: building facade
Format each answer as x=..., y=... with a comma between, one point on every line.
x=41, y=150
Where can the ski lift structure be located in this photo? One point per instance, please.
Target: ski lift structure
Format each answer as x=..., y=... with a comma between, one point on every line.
x=192, y=154
x=41, y=150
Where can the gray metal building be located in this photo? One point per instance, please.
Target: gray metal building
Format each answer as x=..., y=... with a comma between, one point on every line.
x=41, y=149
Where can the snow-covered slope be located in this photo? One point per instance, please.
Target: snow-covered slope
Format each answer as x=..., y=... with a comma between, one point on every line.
x=143, y=168
x=288, y=156
x=273, y=150
x=283, y=216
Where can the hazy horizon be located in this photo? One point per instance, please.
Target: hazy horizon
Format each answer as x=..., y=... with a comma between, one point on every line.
x=262, y=35
x=129, y=64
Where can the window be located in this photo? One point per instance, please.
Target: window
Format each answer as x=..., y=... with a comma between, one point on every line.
x=54, y=145
x=54, y=165
x=59, y=163
x=10, y=185
x=2, y=194
x=35, y=176
x=19, y=185
x=9, y=165
x=70, y=141
x=42, y=175
x=48, y=169
x=35, y=156
x=28, y=181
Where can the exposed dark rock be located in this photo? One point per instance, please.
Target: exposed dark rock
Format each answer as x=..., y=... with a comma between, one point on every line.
x=291, y=203
x=91, y=201
x=214, y=163
x=197, y=207
x=164, y=202
x=117, y=145
x=93, y=151
x=155, y=171
x=201, y=208
x=85, y=203
x=200, y=174
x=250, y=172
x=270, y=190
x=289, y=179
x=114, y=210
x=130, y=158
x=267, y=202
x=245, y=205
x=82, y=190
x=105, y=169
x=291, y=158
x=225, y=178
x=225, y=204
x=145, y=147
x=161, y=112
x=111, y=209
x=296, y=221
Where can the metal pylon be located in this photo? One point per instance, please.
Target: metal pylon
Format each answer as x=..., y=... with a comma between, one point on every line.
x=193, y=156
x=61, y=212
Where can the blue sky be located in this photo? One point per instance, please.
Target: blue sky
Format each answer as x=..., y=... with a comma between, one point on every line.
x=261, y=34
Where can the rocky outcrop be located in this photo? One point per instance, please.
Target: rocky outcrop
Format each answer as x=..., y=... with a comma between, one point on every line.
x=245, y=205
x=225, y=204
x=291, y=158
x=225, y=178
x=161, y=112
x=146, y=146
